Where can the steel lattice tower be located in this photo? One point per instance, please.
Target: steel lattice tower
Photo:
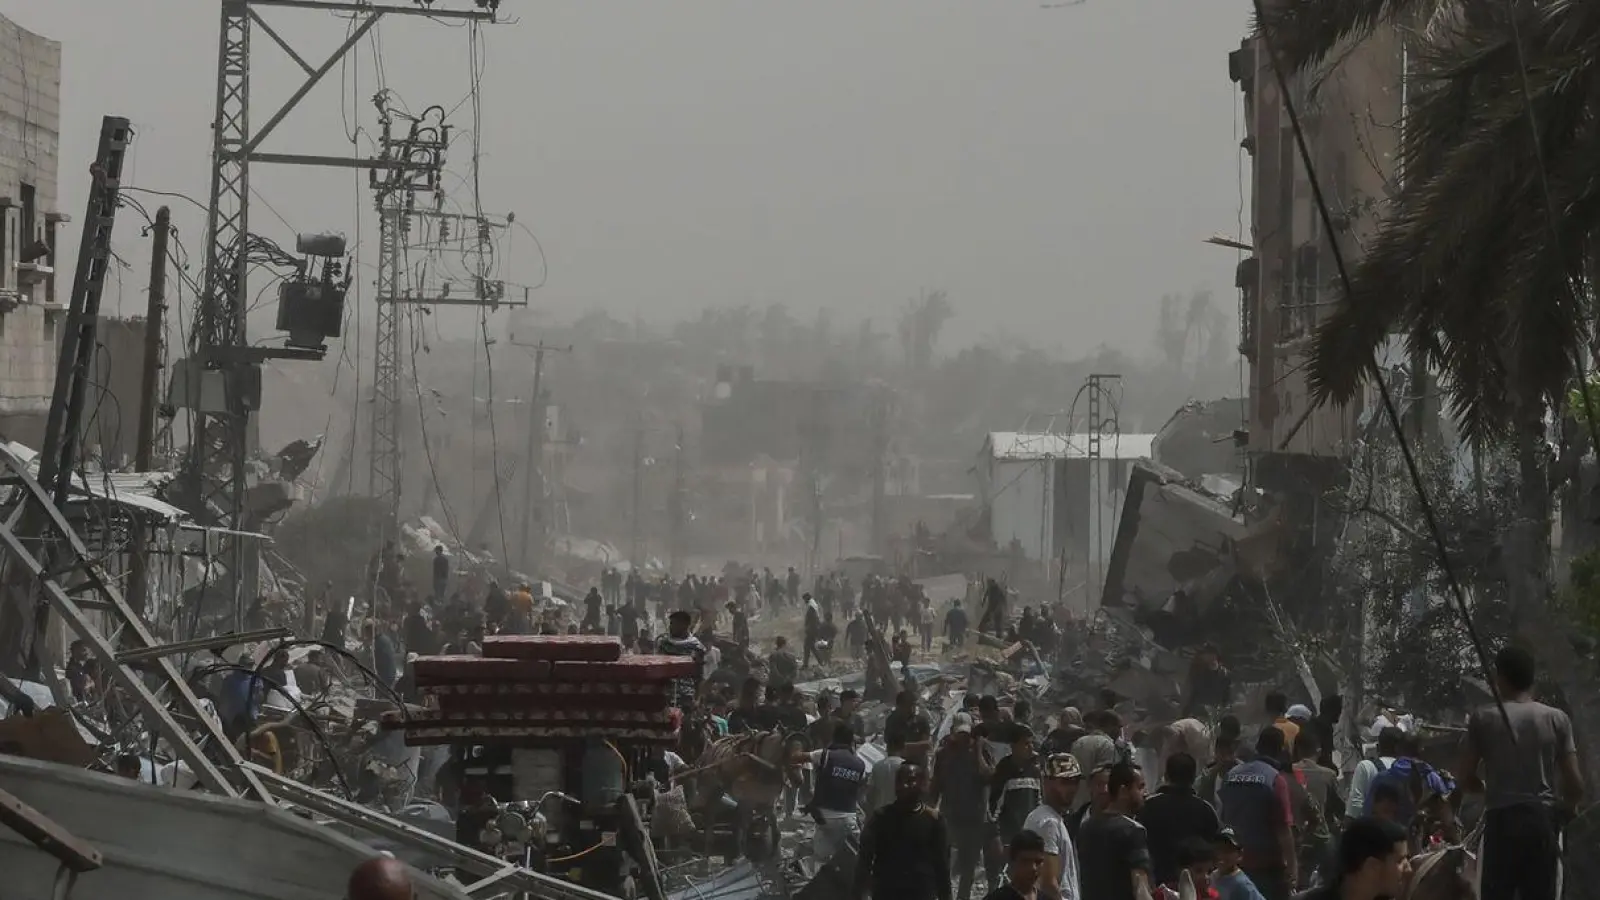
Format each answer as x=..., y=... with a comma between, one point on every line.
x=219, y=442
x=384, y=481
x=417, y=161
x=217, y=447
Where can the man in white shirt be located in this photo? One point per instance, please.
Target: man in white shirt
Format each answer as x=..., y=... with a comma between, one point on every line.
x=1388, y=750
x=880, y=783
x=1058, y=880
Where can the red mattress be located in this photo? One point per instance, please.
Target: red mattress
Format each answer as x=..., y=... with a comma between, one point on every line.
x=569, y=647
x=525, y=735
x=431, y=670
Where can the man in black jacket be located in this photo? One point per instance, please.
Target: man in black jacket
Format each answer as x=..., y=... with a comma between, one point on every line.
x=905, y=852
x=750, y=714
x=1014, y=788
x=1173, y=814
x=960, y=788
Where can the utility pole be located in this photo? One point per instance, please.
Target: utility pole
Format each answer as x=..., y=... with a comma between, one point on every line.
x=880, y=452
x=533, y=461
x=149, y=386
x=396, y=193
x=638, y=493
x=218, y=445
x=424, y=145
x=25, y=645
x=814, y=447
x=154, y=322
x=676, y=513
x=1099, y=425
x=62, y=442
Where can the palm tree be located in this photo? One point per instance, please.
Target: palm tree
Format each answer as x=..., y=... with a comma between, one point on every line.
x=1470, y=264
x=1484, y=257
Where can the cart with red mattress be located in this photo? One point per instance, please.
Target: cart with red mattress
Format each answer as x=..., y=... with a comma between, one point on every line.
x=563, y=728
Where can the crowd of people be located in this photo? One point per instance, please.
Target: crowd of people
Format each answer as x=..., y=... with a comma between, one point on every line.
x=1224, y=813
x=1070, y=804
x=1259, y=820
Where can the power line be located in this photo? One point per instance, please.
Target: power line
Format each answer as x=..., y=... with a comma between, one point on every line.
x=427, y=445
x=474, y=56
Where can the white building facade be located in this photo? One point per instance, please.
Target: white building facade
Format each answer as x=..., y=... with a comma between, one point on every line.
x=30, y=126
x=1054, y=500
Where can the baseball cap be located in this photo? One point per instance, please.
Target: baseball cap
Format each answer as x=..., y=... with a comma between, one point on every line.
x=1299, y=711
x=1062, y=765
x=961, y=723
x=1228, y=837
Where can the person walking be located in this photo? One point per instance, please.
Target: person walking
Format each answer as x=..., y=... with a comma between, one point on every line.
x=1175, y=814
x=1530, y=781
x=1374, y=863
x=841, y=776
x=1113, y=849
x=1027, y=860
x=905, y=850
x=1059, y=878
x=1257, y=804
x=1014, y=788
x=960, y=791
x=955, y=626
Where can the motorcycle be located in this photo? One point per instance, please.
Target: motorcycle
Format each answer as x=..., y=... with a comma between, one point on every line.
x=517, y=830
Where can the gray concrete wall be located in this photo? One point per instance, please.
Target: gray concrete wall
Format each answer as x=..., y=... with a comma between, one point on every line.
x=30, y=115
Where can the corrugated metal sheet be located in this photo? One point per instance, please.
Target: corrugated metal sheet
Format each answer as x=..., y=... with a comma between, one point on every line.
x=162, y=844
x=1020, y=446
x=136, y=490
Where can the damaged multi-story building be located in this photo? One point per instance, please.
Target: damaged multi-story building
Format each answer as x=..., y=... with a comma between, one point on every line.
x=30, y=125
x=1350, y=113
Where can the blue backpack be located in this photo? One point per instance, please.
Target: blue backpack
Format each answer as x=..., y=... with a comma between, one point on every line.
x=1406, y=777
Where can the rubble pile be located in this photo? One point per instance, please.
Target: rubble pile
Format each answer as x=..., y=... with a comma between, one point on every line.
x=545, y=687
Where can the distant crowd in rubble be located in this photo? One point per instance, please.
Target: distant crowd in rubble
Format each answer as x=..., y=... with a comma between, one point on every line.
x=457, y=611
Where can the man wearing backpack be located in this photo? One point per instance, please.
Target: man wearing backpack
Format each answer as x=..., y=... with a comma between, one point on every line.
x=1367, y=769
x=1422, y=793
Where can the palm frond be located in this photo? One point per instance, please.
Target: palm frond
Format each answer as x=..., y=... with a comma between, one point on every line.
x=1468, y=261
x=1303, y=33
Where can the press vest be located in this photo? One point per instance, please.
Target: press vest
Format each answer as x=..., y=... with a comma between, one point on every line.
x=840, y=777
x=1250, y=805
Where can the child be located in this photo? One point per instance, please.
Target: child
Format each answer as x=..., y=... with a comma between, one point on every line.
x=1197, y=857
x=1022, y=875
x=1229, y=881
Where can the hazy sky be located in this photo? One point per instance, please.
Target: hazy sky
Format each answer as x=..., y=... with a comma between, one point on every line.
x=1054, y=169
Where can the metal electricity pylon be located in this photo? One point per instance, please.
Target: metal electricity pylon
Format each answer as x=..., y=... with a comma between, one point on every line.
x=226, y=365
x=423, y=144
x=398, y=211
